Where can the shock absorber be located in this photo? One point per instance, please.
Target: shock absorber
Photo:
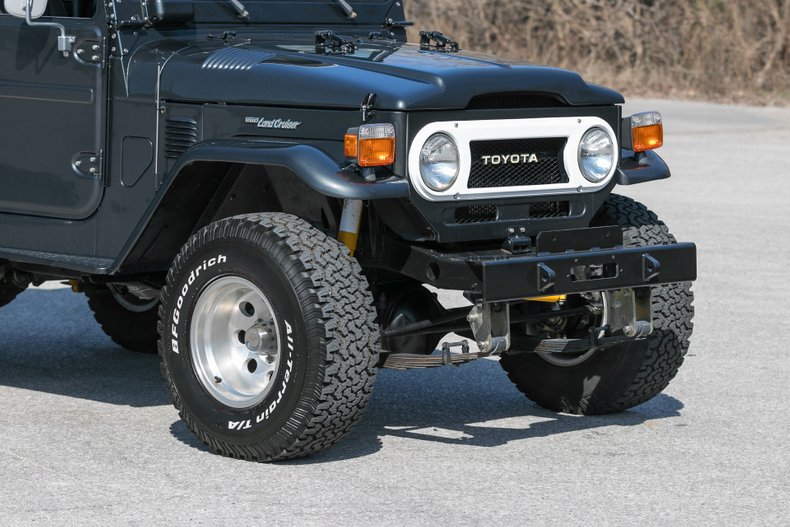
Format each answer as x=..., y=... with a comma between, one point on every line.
x=350, y=221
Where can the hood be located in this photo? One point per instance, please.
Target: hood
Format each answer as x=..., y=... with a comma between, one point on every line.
x=402, y=75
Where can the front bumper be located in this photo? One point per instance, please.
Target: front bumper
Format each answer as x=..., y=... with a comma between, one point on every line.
x=500, y=277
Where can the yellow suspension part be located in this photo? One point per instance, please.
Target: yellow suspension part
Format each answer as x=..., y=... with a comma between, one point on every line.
x=350, y=221
x=552, y=299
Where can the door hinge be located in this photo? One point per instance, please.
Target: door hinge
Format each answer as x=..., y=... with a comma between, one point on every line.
x=87, y=164
x=89, y=52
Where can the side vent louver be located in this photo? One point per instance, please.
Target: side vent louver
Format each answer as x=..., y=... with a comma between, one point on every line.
x=180, y=134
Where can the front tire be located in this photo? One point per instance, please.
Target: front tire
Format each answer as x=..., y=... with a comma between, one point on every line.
x=302, y=382
x=625, y=376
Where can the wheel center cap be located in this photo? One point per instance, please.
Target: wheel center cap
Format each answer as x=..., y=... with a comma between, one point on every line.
x=261, y=340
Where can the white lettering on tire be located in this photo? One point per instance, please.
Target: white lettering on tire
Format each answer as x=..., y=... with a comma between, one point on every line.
x=176, y=316
x=247, y=423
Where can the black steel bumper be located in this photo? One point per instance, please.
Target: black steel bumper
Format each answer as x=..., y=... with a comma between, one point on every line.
x=499, y=277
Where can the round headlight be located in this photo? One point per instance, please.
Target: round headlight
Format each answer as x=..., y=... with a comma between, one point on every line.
x=596, y=154
x=439, y=162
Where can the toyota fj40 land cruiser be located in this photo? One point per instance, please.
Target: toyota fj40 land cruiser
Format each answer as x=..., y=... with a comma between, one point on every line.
x=262, y=189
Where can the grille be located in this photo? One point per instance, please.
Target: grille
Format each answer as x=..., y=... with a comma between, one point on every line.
x=549, y=209
x=180, y=134
x=476, y=214
x=547, y=170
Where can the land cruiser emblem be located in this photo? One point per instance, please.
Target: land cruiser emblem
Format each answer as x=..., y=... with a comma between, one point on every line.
x=277, y=124
x=510, y=159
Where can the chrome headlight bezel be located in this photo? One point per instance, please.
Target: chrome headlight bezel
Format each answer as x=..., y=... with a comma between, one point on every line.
x=439, y=179
x=599, y=170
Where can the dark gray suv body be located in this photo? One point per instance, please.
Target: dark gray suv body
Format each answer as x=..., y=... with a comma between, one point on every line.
x=136, y=134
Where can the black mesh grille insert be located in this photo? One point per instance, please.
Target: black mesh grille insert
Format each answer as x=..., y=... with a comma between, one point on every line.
x=476, y=214
x=549, y=209
x=517, y=162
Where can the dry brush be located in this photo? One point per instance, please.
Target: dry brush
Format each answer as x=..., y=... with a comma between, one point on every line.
x=733, y=50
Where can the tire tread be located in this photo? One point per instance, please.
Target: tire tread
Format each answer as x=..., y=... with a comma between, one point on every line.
x=339, y=311
x=129, y=330
x=673, y=312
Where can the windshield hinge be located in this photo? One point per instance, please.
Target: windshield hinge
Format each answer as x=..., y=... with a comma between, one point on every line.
x=434, y=40
x=329, y=43
x=225, y=36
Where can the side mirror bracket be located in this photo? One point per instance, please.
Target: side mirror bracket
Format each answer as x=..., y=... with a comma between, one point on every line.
x=33, y=9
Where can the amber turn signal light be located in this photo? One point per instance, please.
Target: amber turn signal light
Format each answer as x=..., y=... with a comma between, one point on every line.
x=350, y=147
x=376, y=152
x=647, y=131
x=647, y=137
x=372, y=145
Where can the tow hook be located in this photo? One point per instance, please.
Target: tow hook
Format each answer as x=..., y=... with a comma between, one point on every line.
x=490, y=325
x=630, y=311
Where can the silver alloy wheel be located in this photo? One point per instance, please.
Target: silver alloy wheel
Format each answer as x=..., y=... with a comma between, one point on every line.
x=560, y=359
x=235, y=342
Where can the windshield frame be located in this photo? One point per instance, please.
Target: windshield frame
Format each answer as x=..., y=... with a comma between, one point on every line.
x=309, y=13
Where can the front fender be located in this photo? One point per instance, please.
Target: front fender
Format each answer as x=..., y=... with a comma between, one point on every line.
x=640, y=168
x=186, y=195
x=318, y=171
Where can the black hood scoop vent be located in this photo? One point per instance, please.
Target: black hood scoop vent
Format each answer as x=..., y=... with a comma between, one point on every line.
x=235, y=59
x=509, y=100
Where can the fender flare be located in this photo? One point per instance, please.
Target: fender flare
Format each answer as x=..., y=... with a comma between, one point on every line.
x=312, y=166
x=318, y=171
x=641, y=167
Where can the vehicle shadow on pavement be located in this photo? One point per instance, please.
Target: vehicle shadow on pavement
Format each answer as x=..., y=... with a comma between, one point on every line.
x=50, y=343
x=474, y=405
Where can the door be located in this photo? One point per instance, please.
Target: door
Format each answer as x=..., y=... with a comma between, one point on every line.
x=52, y=113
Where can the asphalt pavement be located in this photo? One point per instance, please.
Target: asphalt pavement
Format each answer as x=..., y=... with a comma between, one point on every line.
x=88, y=435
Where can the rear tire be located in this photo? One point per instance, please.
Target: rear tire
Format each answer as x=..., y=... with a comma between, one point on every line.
x=621, y=377
x=8, y=292
x=306, y=387
x=132, y=326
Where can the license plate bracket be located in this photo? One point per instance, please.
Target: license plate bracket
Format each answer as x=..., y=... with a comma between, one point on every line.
x=566, y=240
